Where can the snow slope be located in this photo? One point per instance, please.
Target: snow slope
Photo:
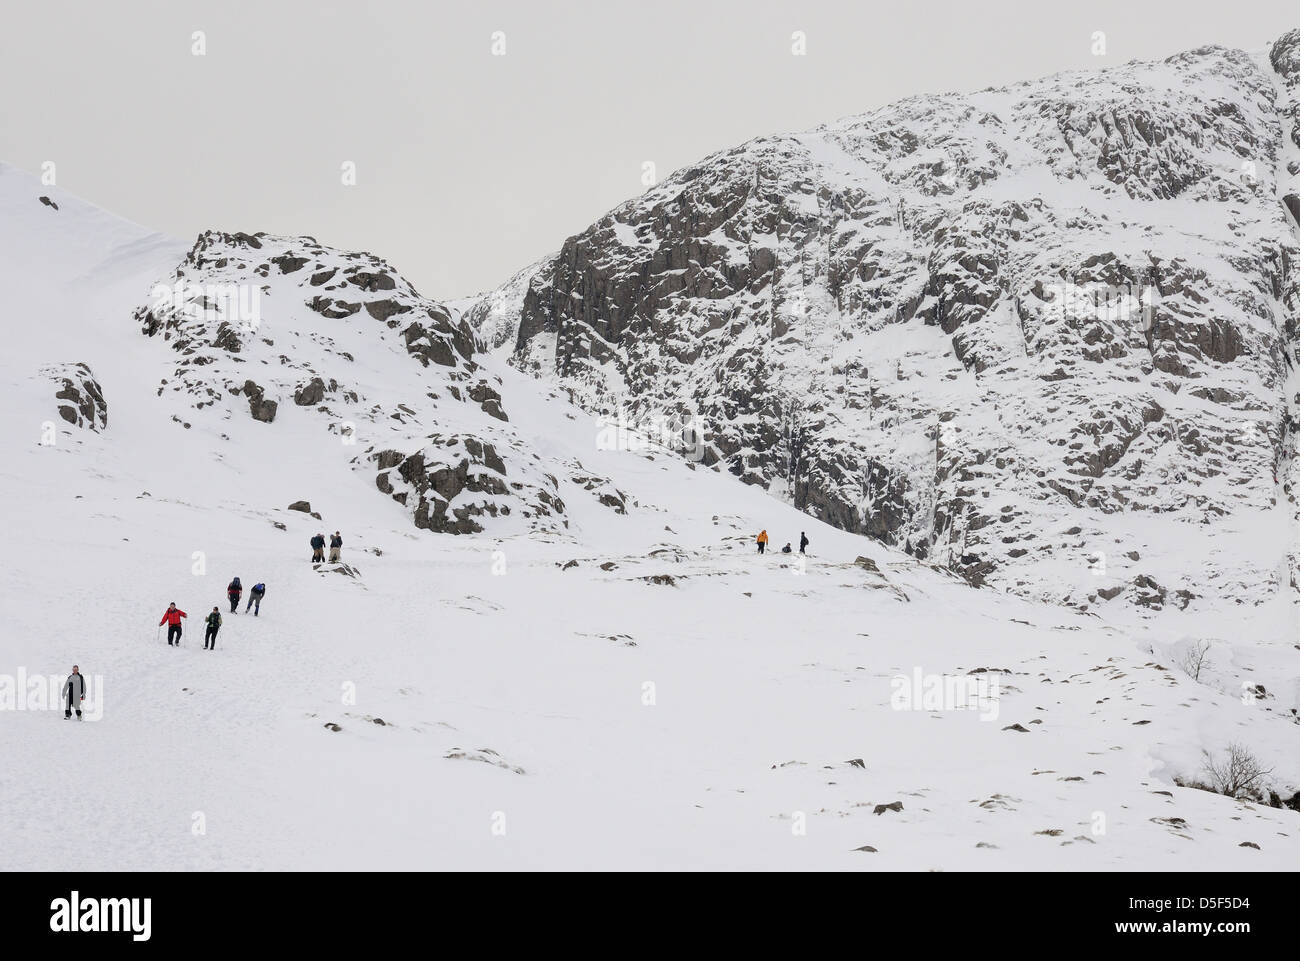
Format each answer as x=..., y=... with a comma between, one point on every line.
x=513, y=685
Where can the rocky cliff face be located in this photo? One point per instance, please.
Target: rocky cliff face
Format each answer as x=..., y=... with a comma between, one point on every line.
x=1042, y=335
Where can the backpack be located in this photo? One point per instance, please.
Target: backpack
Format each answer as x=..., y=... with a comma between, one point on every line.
x=259, y=588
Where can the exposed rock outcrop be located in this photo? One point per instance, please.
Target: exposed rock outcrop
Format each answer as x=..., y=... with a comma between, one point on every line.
x=80, y=398
x=454, y=482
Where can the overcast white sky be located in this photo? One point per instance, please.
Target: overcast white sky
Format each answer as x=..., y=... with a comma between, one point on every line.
x=470, y=165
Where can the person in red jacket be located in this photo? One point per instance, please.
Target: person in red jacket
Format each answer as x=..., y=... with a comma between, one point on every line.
x=172, y=618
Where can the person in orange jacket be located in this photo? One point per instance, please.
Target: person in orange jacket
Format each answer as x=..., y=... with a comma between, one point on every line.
x=172, y=618
x=762, y=541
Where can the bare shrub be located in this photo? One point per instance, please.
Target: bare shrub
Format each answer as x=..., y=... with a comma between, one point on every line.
x=1195, y=659
x=1238, y=774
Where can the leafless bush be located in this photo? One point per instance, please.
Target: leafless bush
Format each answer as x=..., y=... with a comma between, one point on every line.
x=1195, y=659
x=1238, y=774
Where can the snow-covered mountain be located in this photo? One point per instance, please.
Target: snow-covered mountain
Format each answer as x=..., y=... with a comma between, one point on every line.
x=1042, y=335
x=547, y=649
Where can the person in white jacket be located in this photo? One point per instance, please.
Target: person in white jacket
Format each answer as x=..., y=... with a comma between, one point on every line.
x=74, y=692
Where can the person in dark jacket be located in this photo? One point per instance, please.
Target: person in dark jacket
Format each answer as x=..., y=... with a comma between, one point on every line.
x=74, y=692
x=786, y=549
x=336, y=548
x=803, y=543
x=233, y=592
x=214, y=625
x=317, y=549
x=255, y=599
x=172, y=618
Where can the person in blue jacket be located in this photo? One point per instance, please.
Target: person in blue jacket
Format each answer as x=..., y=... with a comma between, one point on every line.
x=255, y=599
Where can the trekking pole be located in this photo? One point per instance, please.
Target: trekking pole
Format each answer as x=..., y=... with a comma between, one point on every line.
x=157, y=635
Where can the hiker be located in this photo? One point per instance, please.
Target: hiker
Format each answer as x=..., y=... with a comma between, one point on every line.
x=172, y=618
x=317, y=549
x=74, y=692
x=762, y=541
x=214, y=625
x=233, y=592
x=803, y=543
x=786, y=549
x=255, y=598
x=336, y=547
